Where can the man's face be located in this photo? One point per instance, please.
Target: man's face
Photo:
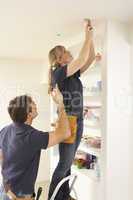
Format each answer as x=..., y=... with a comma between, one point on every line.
x=33, y=112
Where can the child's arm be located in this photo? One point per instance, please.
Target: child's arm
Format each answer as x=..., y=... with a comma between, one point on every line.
x=90, y=59
x=85, y=52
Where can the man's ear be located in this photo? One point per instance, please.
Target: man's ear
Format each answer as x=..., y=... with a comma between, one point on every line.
x=29, y=115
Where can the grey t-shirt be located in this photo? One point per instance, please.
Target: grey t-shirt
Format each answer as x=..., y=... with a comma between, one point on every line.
x=21, y=145
x=71, y=88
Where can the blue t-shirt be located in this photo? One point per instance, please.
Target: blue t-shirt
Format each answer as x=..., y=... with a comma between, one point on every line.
x=71, y=88
x=21, y=146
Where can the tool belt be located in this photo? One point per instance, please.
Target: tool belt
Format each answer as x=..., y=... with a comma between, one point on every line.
x=73, y=127
x=12, y=196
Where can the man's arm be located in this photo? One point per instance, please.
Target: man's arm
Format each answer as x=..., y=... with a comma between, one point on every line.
x=62, y=130
x=1, y=157
x=90, y=59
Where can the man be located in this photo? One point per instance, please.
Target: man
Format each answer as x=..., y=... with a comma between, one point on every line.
x=21, y=145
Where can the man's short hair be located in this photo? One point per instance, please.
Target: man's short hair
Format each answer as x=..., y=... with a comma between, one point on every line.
x=19, y=107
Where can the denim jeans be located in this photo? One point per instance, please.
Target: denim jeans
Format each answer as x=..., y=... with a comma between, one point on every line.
x=63, y=169
x=3, y=195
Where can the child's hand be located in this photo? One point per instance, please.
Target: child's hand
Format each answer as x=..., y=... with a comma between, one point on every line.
x=98, y=57
x=88, y=29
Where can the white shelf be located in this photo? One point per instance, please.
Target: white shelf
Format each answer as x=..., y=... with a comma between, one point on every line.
x=92, y=97
x=92, y=133
x=91, y=127
x=90, y=150
x=88, y=173
x=93, y=105
x=92, y=101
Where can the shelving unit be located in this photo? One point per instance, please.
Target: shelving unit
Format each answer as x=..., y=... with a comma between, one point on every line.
x=92, y=128
x=97, y=127
x=93, y=101
x=86, y=172
x=90, y=150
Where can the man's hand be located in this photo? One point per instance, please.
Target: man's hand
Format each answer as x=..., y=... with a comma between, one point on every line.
x=62, y=130
x=57, y=96
x=88, y=29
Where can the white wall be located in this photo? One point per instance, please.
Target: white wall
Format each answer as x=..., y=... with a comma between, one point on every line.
x=118, y=112
x=16, y=78
x=131, y=126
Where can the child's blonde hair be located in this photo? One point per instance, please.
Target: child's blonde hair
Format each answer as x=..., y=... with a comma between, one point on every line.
x=55, y=56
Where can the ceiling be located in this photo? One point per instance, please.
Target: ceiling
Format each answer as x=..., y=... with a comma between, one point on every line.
x=29, y=28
